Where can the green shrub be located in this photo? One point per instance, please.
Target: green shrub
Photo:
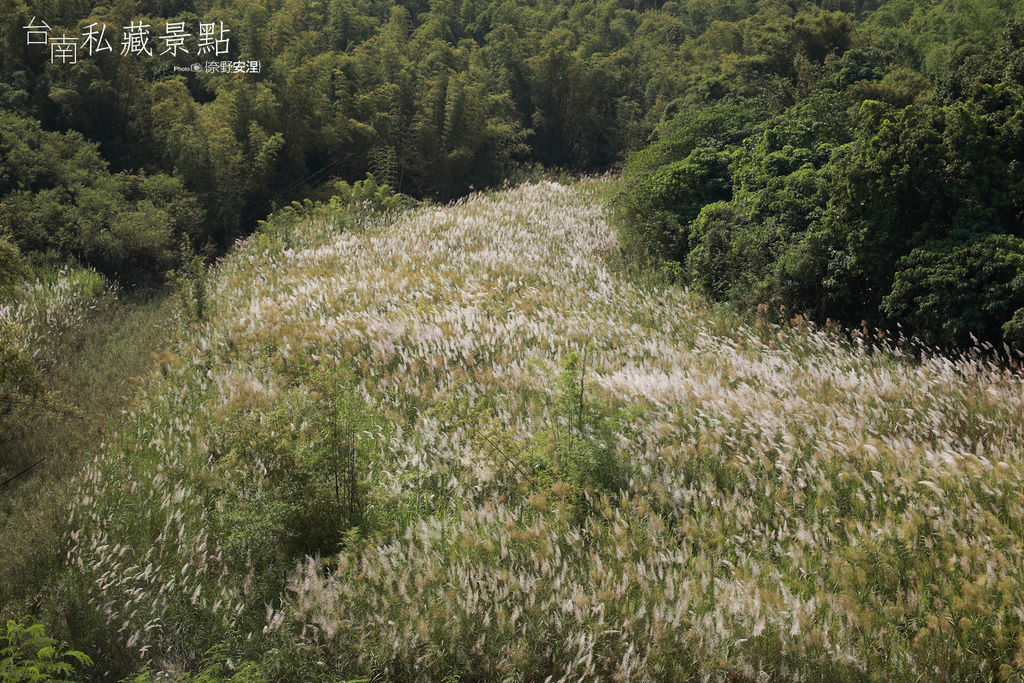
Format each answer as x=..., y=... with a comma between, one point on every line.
x=28, y=654
x=946, y=292
x=678, y=191
x=667, y=184
x=305, y=458
x=365, y=194
x=190, y=282
x=20, y=379
x=13, y=269
x=61, y=203
x=584, y=448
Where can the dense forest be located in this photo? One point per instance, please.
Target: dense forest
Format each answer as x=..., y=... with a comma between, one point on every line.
x=887, y=185
x=851, y=165
x=433, y=100
x=846, y=160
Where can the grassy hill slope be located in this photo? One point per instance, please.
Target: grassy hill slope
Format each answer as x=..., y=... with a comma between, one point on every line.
x=93, y=347
x=458, y=441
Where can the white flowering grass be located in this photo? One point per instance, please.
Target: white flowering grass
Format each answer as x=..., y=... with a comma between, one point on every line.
x=45, y=309
x=75, y=344
x=792, y=505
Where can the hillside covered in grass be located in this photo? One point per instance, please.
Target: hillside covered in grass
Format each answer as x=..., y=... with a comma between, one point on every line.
x=462, y=441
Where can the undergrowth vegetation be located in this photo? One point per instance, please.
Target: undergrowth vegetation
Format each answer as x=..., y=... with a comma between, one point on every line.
x=79, y=343
x=457, y=442
x=28, y=654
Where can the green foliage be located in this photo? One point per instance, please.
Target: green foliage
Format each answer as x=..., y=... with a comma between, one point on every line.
x=684, y=169
x=20, y=379
x=19, y=376
x=304, y=492
x=343, y=200
x=586, y=451
x=60, y=202
x=368, y=193
x=28, y=654
x=190, y=282
x=345, y=442
x=681, y=189
x=578, y=461
x=13, y=269
x=947, y=292
x=877, y=194
x=1013, y=329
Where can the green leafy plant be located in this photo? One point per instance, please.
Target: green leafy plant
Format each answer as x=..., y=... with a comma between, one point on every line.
x=366, y=194
x=584, y=444
x=28, y=654
x=20, y=379
x=190, y=282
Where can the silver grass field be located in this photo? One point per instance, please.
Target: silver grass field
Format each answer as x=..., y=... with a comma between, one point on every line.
x=555, y=472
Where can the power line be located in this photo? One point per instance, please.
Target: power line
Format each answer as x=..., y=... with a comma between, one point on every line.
x=8, y=481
